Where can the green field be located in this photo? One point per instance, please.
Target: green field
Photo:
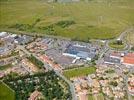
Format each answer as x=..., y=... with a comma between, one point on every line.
x=82, y=71
x=6, y=93
x=91, y=19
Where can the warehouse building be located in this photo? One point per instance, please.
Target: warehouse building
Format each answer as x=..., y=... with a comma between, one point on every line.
x=79, y=52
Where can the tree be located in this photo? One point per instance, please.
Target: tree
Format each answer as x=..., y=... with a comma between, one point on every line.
x=119, y=42
x=132, y=48
x=114, y=83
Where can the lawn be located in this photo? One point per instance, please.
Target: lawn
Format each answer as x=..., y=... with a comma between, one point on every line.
x=90, y=97
x=100, y=96
x=5, y=66
x=90, y=19
x=6, y=93
x=82, y=71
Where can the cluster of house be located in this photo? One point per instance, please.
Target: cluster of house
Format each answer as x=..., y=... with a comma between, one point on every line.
x=81, y=88
x=21, y=67
x=103, y=81
x=10, y=41
x=29, y=66
x=50, y=62
x=9, y=51
x=14, y=38
x=7, y=44
x=131, y=84
x=111, y=83
x=93, y=84
x=37, y=46
x=126, y=59
x=13, y=65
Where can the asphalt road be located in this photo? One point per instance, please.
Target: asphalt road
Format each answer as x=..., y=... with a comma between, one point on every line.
x=121, y=37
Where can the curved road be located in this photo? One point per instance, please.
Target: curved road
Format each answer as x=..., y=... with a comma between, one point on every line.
x=121, y=37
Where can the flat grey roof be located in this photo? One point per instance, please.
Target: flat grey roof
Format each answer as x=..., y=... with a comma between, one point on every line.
x=112, y=60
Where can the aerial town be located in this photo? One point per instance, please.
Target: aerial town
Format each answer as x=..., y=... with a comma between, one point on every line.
x=82, y=71
x=66, y=49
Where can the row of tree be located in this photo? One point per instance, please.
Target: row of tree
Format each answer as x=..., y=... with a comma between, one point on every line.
x=36, y=62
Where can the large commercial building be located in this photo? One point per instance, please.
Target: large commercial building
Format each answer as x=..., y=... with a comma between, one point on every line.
x=79, y=52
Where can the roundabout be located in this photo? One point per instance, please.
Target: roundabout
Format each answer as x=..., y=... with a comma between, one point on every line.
x=116, y=44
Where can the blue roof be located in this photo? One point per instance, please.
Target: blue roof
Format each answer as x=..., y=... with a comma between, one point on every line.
x=81, y=52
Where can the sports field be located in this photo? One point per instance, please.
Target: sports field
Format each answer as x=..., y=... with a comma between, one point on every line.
x=76, y=72
x=6, y=93
x=79, y=21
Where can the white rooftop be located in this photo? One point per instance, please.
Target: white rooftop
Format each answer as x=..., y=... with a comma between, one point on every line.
x=2, y=33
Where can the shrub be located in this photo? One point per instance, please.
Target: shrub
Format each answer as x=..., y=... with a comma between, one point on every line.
x=132, y=48
x=64, y=24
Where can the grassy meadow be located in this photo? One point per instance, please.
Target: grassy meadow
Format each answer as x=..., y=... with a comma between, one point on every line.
x=6, y=93
x=78, y=21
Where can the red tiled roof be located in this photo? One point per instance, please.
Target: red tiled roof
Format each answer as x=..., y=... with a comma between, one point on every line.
x=34, y=95
x=129, y=58
x=116, y=54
